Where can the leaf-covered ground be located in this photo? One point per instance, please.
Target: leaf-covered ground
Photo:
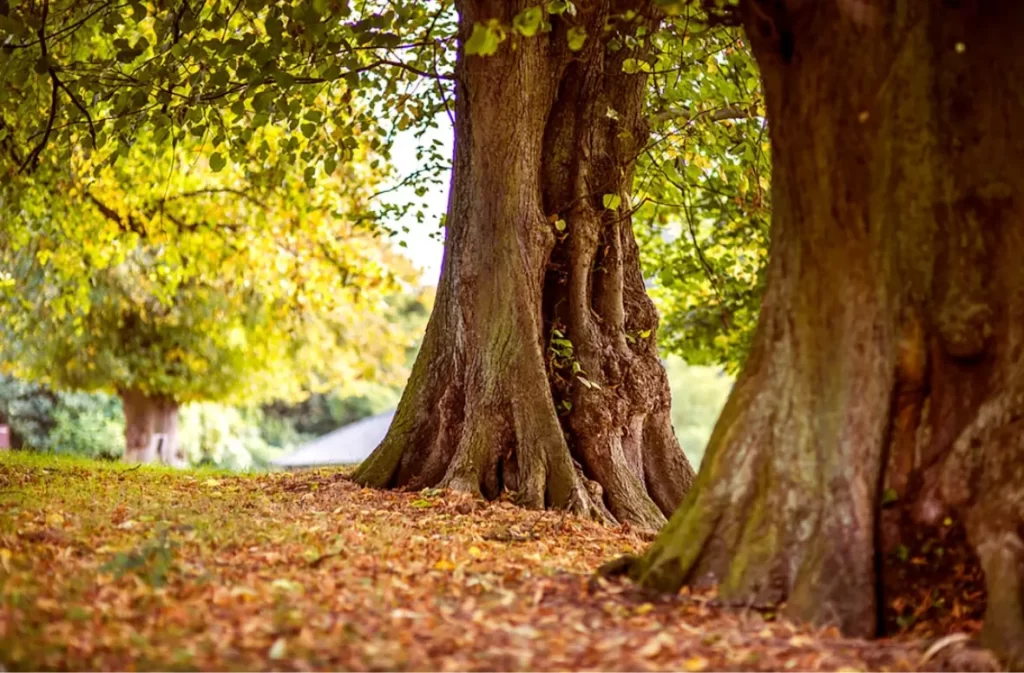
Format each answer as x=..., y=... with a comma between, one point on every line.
x=108, y=567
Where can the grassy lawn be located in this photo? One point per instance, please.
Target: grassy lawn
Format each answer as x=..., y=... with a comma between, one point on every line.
x=103, y=566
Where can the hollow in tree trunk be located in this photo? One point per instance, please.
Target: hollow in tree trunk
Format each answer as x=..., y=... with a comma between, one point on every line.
x=888, y=355
x=151, y=429
x=539, y=371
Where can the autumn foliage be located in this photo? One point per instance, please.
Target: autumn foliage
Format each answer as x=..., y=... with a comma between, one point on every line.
x=108, y=567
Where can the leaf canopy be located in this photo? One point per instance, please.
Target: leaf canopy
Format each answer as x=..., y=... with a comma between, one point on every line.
x=256, y=90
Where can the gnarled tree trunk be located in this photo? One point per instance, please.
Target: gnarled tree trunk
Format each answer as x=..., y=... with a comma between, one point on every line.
x=889, y=348
x=151, y=429
x=498, y=399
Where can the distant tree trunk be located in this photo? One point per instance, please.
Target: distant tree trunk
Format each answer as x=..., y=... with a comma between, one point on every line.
x=495, y=400
x=889, y=350
x=151, y=429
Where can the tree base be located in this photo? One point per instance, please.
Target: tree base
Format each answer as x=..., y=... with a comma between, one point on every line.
x=539, y=372
x=887, y=368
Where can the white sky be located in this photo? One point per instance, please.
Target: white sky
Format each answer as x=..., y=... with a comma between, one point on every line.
x=424, y=251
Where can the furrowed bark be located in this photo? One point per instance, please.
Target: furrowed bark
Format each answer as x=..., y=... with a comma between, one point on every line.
x=888, y=351
x=489, y=406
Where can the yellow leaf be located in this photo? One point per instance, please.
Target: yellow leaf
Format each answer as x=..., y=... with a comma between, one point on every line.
x=696, y=664
x=474, y=552
x=644, y=609
x=444, y=565
x=5, y=559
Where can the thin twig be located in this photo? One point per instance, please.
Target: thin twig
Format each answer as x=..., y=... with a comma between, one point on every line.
x=708, y=271
x=80, y=105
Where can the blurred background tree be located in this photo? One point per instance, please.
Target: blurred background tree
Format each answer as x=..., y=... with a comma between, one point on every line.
x=166, y=284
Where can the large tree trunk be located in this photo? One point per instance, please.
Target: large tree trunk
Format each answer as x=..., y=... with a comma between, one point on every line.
x=151, y=429
x=496, y=399
x=888, y=352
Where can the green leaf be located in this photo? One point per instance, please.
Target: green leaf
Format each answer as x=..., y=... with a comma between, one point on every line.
x=557, y=7
x=560, y=224
x=261, y=101
x=889, y=496
x=484, y=40
x=528, y=21
x=138, y=11
x=611, y=201
x=217, y=162
x=633, y=65
x=219, y=78
x=671, y=6
x=10, y=24
x=577, y=37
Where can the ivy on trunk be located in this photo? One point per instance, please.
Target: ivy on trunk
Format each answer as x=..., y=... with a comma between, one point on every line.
x=539, y=371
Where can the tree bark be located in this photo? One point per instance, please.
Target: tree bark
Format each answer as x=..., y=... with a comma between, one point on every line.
x=151, y=429
x=534, y=261
x=888, y=354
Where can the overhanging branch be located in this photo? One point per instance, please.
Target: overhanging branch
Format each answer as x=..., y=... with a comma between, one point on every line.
x=727, y=113
x=33, y=157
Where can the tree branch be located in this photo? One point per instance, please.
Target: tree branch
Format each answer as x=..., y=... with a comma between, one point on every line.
x=66, y=30
x=730, y=112
x=212, y=190
x=78, y=103
x=33, y=157
x=130, y=225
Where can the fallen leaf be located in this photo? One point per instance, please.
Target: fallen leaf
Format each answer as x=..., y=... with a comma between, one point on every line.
x=278, y=649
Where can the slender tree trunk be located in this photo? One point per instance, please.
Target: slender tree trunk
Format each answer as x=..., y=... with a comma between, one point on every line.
x=888, y=352
x=534, y=261
x=151, y=429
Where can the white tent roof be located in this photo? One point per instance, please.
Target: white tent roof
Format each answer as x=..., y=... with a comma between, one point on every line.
x=347, y=445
